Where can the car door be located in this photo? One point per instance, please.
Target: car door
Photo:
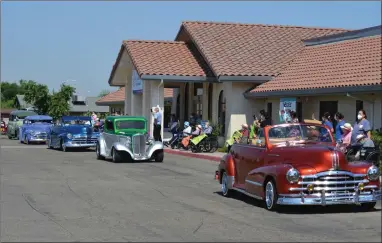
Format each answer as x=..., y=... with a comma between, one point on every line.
x=253, y=159
x=11, y=122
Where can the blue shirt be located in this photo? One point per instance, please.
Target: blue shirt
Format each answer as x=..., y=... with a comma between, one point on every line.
x=339, y=130
x=328, y=124
x=361, y=127
x=158, y=117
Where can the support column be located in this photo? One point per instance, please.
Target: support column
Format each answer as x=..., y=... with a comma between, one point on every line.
x=190, y=99
x=146, y=105
x=205, y=102
x=229, y=127
x=157, y=98
x=182, y=96
x=174, y=99
x=128, y=92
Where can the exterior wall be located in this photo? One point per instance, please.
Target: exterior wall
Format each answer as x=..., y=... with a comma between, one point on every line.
x=346, y=105
x=239, y=109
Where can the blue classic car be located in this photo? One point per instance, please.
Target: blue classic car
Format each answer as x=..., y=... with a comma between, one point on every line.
x=72, y=132
x=35, y=129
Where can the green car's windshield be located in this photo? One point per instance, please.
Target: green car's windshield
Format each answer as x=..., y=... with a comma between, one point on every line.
x=130, y=124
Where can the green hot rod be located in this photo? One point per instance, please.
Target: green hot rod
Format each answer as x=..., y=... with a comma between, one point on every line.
x=125, y=138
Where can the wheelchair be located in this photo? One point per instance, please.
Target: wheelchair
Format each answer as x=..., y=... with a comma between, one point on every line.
x=208, y=145
x=371, y=155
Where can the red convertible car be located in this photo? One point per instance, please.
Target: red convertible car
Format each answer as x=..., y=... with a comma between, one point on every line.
x=297, y=164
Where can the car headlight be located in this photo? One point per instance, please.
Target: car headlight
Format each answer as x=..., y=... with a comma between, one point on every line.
x=31, y=132
x=69, y=135
x=373, y=173
x=292, y=175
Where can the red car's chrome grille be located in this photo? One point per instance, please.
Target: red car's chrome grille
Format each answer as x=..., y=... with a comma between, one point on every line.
x=333, y=182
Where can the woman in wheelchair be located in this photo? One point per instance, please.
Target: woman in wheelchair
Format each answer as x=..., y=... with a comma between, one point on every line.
x=364, y=149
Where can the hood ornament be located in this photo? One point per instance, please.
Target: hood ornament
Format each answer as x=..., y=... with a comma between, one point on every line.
x=335, y=160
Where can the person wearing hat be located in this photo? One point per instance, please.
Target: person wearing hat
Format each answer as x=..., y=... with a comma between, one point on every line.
x=346, y=130
x=198, y=130
x=237, y=135
x=365, y=142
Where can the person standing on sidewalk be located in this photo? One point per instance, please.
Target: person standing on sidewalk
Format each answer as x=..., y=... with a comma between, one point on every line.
x=157, y=124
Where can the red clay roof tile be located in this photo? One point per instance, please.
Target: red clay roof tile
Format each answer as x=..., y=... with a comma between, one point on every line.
x=116, y=96
x=163, y=58
x=119, y=96
x=233, y=49
x=354, y=62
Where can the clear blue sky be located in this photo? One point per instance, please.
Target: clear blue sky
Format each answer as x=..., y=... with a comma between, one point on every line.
x=55, y=41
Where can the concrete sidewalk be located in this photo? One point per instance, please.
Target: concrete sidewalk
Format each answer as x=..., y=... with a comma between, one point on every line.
x=207, y=156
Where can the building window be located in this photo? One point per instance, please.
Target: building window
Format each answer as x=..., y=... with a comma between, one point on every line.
x=358, y=106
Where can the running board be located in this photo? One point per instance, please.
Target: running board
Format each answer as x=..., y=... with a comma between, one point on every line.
x=247, y=193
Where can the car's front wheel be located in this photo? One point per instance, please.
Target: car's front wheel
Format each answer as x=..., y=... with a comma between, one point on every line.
x=270, y=192
x=26, y=141
x=159, y=155
x=63, y=146
x=98, y=152
x=116, y=156
x=225, y=185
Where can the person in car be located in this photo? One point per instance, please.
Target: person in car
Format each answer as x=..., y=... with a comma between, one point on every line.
x=327, y=121
x=237, y=135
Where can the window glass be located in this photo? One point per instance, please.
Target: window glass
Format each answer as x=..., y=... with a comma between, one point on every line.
x=126, y=124
x=109, y=125
x=298, y=133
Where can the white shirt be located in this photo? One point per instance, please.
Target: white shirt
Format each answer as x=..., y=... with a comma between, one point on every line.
x=187, y=131
x=158, y=117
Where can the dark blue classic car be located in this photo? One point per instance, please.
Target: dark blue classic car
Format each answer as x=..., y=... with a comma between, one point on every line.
x=72, y=132
x=35, y=129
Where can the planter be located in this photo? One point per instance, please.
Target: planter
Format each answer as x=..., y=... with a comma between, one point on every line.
x=221, y=141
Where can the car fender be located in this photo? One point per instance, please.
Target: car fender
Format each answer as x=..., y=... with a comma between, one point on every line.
x=121, y=147
x=276, y=172
x=102, y=144
x=154, y=147
x=227, y=164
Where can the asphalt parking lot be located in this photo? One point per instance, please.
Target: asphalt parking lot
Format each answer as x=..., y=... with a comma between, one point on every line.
x=49, y=195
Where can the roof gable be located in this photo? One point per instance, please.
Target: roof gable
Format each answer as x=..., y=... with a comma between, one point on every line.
x=233, y=49
x=170, y=58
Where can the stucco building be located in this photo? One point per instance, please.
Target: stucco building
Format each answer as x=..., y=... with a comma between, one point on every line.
x=226, y=72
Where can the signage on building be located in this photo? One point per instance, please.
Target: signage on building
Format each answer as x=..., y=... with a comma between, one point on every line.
x=137, y=83
x=286, y=105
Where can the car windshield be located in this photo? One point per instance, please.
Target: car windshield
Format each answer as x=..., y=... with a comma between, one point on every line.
x=299, y=133
x=130, y=124
x=76, y=122
x=40, y=121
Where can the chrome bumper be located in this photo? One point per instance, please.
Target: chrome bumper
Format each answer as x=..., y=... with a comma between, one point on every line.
x=32, y=139
x=79, y=145
x=323, y=198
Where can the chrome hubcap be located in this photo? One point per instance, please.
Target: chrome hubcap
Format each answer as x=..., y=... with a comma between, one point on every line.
x=269, y=194
x=224, y=183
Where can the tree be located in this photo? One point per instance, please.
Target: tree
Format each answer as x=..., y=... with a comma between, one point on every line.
x=36, y=94
x=103, y=93
x=59, y=101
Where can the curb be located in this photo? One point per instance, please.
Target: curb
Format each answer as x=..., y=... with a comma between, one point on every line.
x=193, y=155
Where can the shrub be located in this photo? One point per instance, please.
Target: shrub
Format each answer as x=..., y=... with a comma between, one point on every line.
x=376, y=136
x=216, y=128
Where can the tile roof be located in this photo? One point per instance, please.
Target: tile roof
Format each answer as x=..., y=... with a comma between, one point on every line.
x=233, y=49
x=348, y=63
x=164, y=58
x=119, y=96
x=116, y=96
